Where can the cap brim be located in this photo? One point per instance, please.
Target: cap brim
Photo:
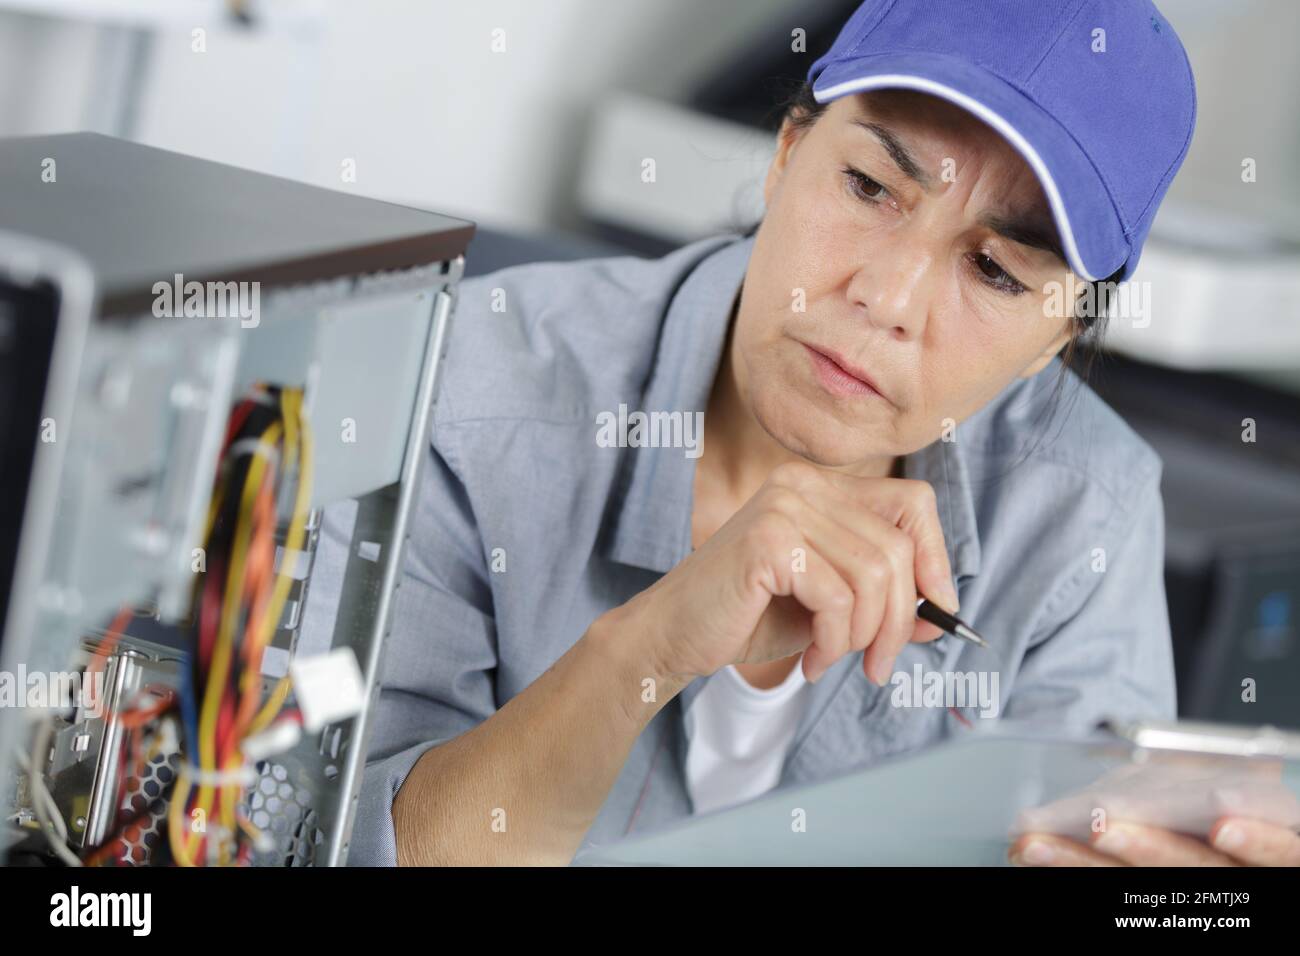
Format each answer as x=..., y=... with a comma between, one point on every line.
x=1091, y=234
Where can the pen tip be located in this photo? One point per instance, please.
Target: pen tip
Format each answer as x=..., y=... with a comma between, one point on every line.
x=971, y=636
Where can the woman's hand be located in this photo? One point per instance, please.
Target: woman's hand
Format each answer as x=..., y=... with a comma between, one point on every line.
x=816, y=561
x=1232, y=841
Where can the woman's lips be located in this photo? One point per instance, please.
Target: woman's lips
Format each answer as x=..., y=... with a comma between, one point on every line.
x=837, y=379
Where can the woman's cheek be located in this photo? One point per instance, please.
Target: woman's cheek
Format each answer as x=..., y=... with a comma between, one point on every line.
x=996, y=339
x=961, y=372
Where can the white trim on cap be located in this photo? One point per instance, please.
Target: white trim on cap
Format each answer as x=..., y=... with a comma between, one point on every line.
x=1009, y=132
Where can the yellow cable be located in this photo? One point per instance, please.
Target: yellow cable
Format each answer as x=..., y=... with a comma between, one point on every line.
x=272, y=707
x=175, y=834
x=296, y=429
x=218, y=672
x=264, y=629
x=293, y=545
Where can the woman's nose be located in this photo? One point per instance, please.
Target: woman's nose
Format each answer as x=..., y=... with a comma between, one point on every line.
x=893, y=288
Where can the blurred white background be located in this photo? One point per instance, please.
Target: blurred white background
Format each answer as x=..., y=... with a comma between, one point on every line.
x=412, y=90
x=547, y=135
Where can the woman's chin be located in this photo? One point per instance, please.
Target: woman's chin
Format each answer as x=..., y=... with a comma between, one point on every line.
x=822, y=444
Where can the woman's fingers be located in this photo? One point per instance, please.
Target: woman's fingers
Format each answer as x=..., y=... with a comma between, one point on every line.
x=854, y=558
x=910, y=506
x=875, y=558
x=921, y=522
x=900, y=611
x=1255, y=842
x=1045, y=849
x=1140, y=845
x=799, y=570
x=1233, y=841
x=886, y=556
x=880, y=536
x=830, y=599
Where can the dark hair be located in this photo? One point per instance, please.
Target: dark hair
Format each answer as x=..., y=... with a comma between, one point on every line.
x=801, y=110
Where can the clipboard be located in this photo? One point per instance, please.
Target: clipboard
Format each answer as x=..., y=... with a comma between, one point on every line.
x=962, y=802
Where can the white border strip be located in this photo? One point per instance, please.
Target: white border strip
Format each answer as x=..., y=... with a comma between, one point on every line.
x=1009, y=132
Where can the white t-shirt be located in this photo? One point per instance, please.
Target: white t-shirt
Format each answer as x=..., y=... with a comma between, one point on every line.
x=738, y=736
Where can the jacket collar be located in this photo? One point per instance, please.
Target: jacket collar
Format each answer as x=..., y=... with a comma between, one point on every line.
x=652, y=529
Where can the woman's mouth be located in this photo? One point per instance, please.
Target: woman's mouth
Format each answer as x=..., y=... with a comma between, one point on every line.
x=838, y=379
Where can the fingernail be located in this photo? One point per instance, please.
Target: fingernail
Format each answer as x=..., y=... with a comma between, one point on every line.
x=1111, y=841
x=1230, y=837
x=1037, y=854
x=883, y=671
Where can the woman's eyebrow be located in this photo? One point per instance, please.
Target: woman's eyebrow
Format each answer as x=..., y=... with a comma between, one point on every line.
x=897, y=152
x=1025, y=232
x=1020, y=230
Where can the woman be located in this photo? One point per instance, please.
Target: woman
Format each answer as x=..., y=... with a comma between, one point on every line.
x=606, y=623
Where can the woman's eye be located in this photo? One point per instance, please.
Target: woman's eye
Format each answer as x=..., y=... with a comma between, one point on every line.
x=994, y=275
x=863, y=186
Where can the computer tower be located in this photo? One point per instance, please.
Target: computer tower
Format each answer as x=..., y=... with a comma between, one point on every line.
x=151, y=306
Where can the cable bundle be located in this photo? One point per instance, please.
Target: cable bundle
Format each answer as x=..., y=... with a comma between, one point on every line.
x=239, y=601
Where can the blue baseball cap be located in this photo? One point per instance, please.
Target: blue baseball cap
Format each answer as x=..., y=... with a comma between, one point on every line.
x=1096, y=95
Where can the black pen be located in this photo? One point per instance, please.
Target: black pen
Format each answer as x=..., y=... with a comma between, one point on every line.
x=948, y=623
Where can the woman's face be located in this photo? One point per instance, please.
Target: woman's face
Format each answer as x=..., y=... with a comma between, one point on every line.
x=903, y=241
